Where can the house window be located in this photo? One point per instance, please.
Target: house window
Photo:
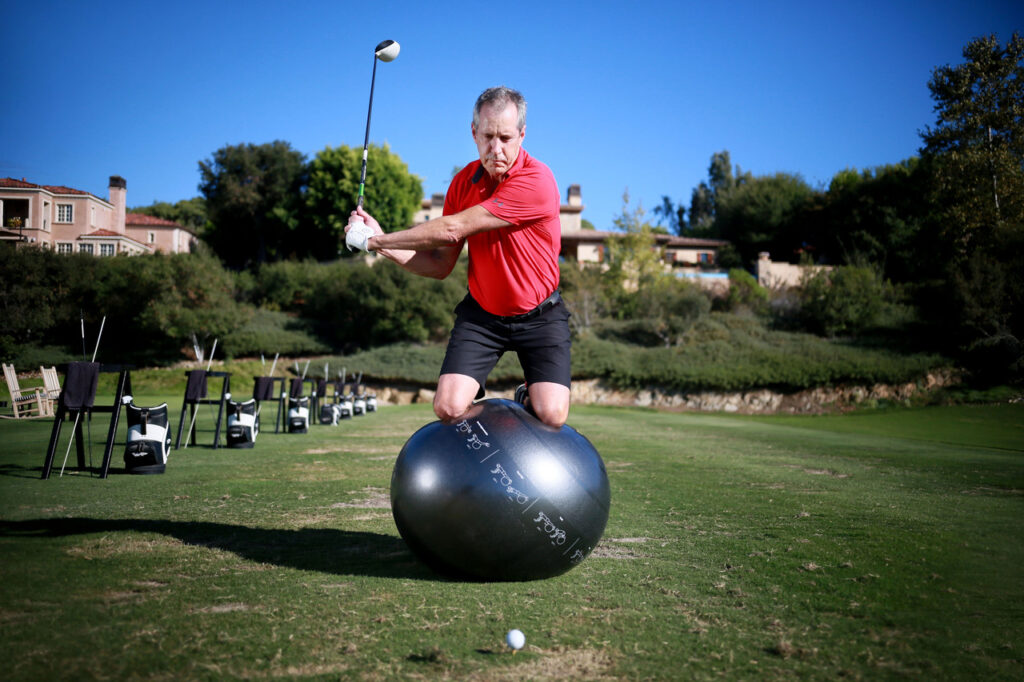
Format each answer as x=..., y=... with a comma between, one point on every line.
x=64, y=247
x=152, y=237
x=85, y=248
x=65, y=213
x=704, y=258
x=106, y=249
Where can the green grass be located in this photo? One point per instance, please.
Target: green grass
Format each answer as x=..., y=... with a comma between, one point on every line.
x=879, y=545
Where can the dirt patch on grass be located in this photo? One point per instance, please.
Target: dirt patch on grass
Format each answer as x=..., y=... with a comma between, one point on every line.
x=619, y=548
x=223, y=608
x=370, y=498
x=106, y=547
x=616, y=465
x=558, y=664
x=990, y=490
x=825, y=472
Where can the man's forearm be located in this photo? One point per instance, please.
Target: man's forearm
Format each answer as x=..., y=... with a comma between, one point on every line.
x=436, y=263
x=433, y=234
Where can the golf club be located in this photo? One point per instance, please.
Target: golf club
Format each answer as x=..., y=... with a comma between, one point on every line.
x=386, y=51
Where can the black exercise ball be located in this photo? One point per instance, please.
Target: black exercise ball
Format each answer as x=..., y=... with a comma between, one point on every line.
x=500, y=495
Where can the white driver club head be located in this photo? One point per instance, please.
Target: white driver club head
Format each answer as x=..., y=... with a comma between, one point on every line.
x=387, y=50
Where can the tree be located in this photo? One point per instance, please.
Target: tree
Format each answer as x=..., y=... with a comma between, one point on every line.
x=872, y=217
x=392, y=194
x=979, y=137
x=675, y=215
x=583, y=287
x=708, y=196
x=977, y=150
x=635, y=261
x=702, y=209
x=253, y=195
x=754, y=214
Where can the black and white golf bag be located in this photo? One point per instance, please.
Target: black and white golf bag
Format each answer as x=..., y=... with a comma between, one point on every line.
x=298, y=415
x=369, y=400
x=344, y=406
x=329, y=414
x=243, y=423
x=364, y=402
x=149, y=439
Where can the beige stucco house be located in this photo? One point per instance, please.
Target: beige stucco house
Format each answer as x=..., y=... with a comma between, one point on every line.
x=70, y=220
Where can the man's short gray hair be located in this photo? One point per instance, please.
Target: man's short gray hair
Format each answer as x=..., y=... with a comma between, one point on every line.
x=501, y=97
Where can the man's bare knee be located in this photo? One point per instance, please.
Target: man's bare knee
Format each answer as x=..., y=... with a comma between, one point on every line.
x=550, y=403
x=448, y=410
x=553, y=415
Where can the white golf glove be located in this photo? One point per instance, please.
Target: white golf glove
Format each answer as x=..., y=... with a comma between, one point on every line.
x=358, y=236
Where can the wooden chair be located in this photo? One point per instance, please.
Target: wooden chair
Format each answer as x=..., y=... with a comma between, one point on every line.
x=51, y=387
x=25, y=402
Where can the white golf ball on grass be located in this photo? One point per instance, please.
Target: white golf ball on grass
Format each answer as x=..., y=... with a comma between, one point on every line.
x=515, y=639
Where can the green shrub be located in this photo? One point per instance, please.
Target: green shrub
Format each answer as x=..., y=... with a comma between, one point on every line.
x=745, y=293
x=363, y=307
x=271, y=332
x=726, y=352
x=289, y=285
x=846, y=300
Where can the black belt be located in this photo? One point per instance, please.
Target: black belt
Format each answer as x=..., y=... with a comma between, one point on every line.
x=547, y=304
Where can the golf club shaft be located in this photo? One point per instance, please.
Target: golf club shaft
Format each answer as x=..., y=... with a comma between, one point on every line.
x=366, y=138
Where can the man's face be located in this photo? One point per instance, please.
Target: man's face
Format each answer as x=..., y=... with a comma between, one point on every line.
x=497, y=138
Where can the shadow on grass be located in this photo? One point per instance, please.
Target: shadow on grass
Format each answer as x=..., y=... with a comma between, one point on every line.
x=309, y=549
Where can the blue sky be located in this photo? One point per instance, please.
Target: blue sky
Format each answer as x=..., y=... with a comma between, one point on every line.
x=624, y=95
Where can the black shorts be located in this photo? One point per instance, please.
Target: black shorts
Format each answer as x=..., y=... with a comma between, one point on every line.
x=541, y=341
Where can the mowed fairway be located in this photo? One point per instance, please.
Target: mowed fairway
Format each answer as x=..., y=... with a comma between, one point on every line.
x=880, y=545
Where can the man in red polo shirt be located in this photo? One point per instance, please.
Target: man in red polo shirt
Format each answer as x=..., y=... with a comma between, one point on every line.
x=506, y=206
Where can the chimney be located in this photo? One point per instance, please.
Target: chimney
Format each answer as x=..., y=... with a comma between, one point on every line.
x=118, y=197
x=575, y=195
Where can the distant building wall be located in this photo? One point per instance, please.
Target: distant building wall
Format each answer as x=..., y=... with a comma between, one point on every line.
x=774, y=275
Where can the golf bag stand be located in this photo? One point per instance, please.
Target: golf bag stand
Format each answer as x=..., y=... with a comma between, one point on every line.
x=77, y=396
x=195, y=395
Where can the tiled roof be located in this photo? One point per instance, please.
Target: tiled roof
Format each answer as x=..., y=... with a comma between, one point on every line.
x=665, y=239
x=11, y=183
x=106, y=234
x=61, y=189
x=148, y=220
x=19, y=184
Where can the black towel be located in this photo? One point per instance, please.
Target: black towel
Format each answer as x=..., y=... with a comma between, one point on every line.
x=296, y=388
x=196, y=387
x=263, y=388
x=80, y=385
x=321, y=387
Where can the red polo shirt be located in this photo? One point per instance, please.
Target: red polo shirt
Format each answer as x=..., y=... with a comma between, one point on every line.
x=511, y=269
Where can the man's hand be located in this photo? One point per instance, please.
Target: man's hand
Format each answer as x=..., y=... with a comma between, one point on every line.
x=361, y=226
x=357, y=234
